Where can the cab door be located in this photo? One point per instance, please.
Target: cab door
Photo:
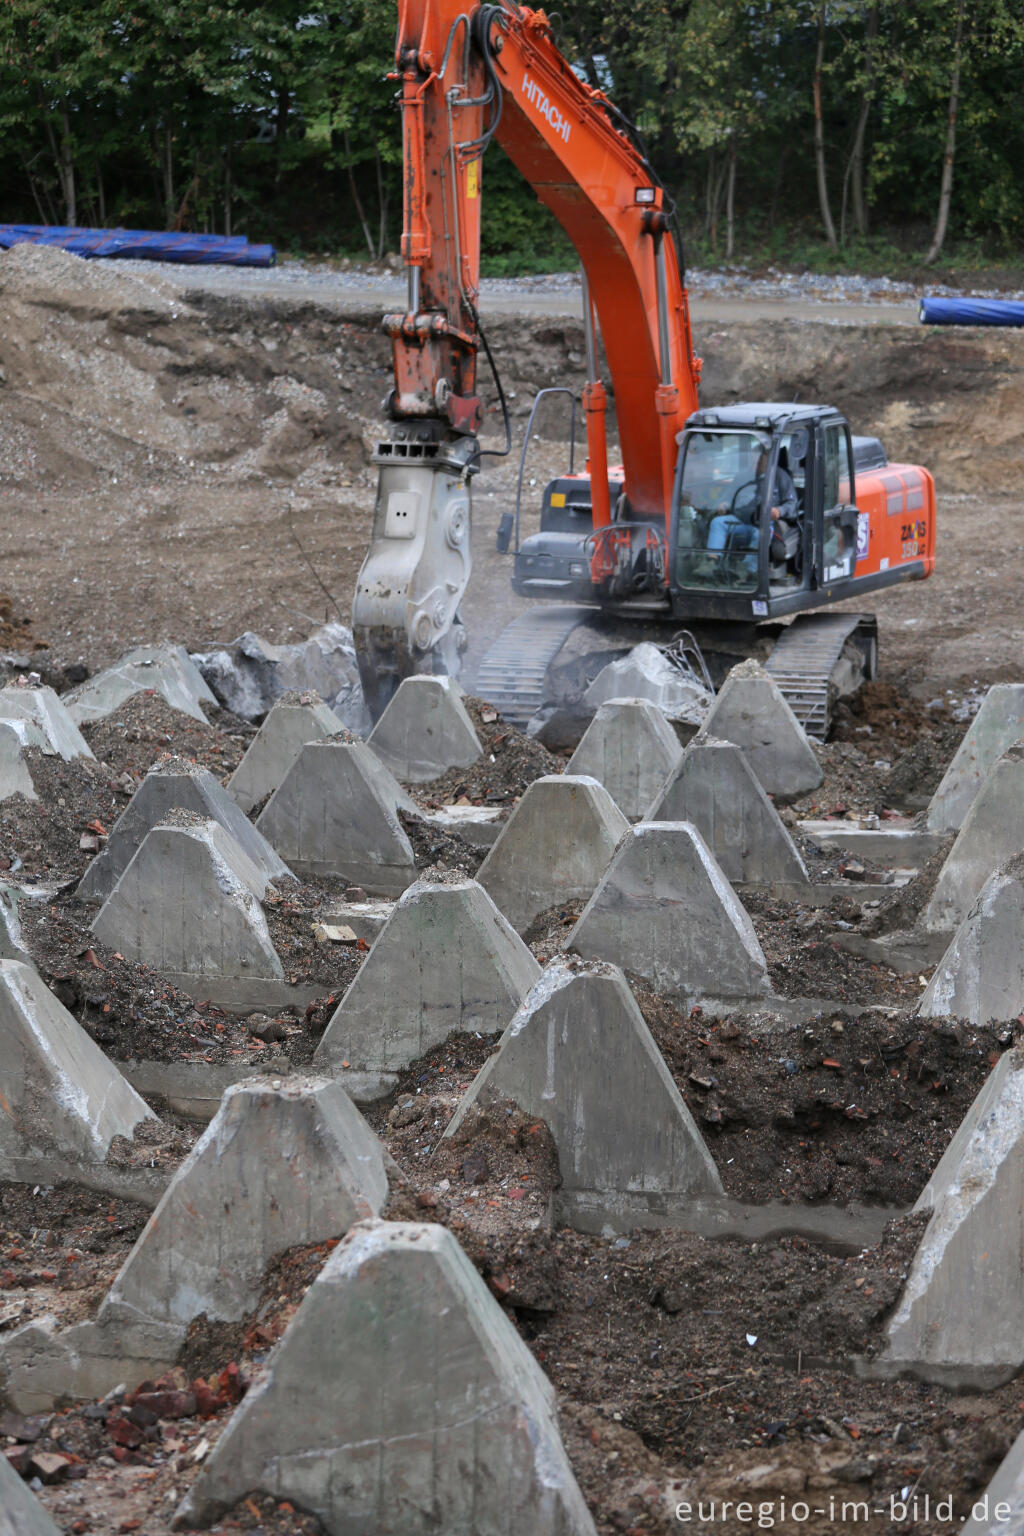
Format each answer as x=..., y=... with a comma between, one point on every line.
x=835, y=555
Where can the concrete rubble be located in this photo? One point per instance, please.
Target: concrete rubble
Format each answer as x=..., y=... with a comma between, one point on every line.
x=21, y=1513
x=554, y=847
x=992, y=832
x=751, y=712
x=62, y=1101
x=176, y=783
x=189, y=906
x=164, y=669
x=715, y=788
x=42, y=708
x=579, y=1056
x=250, y=675
x=336, y=813
x=446, y=960
x=294, y=720
x=425, y=730
x=981, y=975
x=997, y=725
x=665, y=911
x=631, y=749
x=960, y=1319
x=283, y=1163
x=401, y=1398
x=647, y=673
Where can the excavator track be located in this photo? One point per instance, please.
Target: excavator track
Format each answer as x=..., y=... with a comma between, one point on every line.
x=512, y=674
x=803, y=661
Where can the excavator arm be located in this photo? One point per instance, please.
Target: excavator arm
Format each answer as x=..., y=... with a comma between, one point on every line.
x=468, y=75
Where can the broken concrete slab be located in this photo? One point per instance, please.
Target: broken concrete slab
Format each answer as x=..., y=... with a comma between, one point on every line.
x=164, y=669
x=631, y=749
x=445, y=960
x=665, y=911
x=992, y=832
x=21, y=1513
x=981, y=975
x=579, y=1056
x=554, y=847
x=250, y=675
x=647, y=673
x=999, y=1511
x=401, y=1398
x=997, y=725
x=42, y=708
x=478, y=825
x=62, y=1101
x=898, y=845
x=189, y=905
x=960, y=1319
x=715, y=788
x=284, y=1162
x=336, y=813
x=425, y=730
x=751, y=712
x=176, y=783
x=194, y=1089
x=294, y=720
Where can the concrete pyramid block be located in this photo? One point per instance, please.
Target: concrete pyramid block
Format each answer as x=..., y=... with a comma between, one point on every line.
x=960, y=1319
x=751, y=712
x=283, y=1163
x=715, y=788
x=164, y=669
x=294, y=720
x=336, y=813
x=1000, y=1509
x=992, y=832
x=21, y=1513
x=997, y=725
x=16, y=736
x=42, y=708
x=60, y=1097
x=176, y=783
x=665, y=911
x=401, y=1399
x=189, y=905
x=579, y=1056
x=631, y=749
x=425, y=730
x=554, y=847
x=981, y=975
x=445, y=960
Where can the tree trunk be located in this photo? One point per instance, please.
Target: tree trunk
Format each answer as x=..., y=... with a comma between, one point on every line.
x=35, y=192
x=67, y=163
x=382, y=240
x=730, y=203
x=227, y=186
x=357, y=200
x=946, y=188
x=168, y=174
x=819, y=136
x=856, y=168
x=101, y=196
x=283, y=100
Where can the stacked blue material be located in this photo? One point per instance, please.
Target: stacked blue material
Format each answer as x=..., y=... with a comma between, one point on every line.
x=143, y=244
x=971, y=312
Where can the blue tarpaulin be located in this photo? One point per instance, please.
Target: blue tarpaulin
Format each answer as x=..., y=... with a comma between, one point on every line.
x=971, y=312
x=143, y=244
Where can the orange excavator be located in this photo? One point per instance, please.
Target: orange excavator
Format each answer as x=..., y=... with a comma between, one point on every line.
x=737, y=522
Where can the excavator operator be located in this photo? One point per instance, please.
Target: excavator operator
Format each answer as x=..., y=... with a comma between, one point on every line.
x=736, y=525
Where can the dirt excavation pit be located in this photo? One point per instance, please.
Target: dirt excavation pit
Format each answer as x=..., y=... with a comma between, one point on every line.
x=175, y=467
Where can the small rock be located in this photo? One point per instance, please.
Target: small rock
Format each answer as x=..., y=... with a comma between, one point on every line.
x=49, y=1466
x=407, y=1112
x=475, y=1167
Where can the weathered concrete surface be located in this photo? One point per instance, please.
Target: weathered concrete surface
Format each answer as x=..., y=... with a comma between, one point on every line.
x=166, y=669
x=579, y=1056
x=283, y=1163
x=337, y=814
x=42, y=708
x=999, y=1511
x=554, y=847
x=400, y=1399
x=250, y=674
x=194, y=1089
x=647, y=674
x=981, y=975
x=15, y=778
x=21, y=1513
x=478, y=825
x=446, y=960
x=997, y=725
x=631, y=749
x=60, y=1097
x=992, y=832
x=176, y=783
x=893, y=846
x=664, y=910
x=960, y=1319
x=12, y=939
x=294, y=720
x=716, y=790
x=425, y=730
x=189, y=903
x=751, y=712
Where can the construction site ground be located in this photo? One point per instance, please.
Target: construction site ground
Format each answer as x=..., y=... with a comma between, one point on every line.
x=184, y=460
